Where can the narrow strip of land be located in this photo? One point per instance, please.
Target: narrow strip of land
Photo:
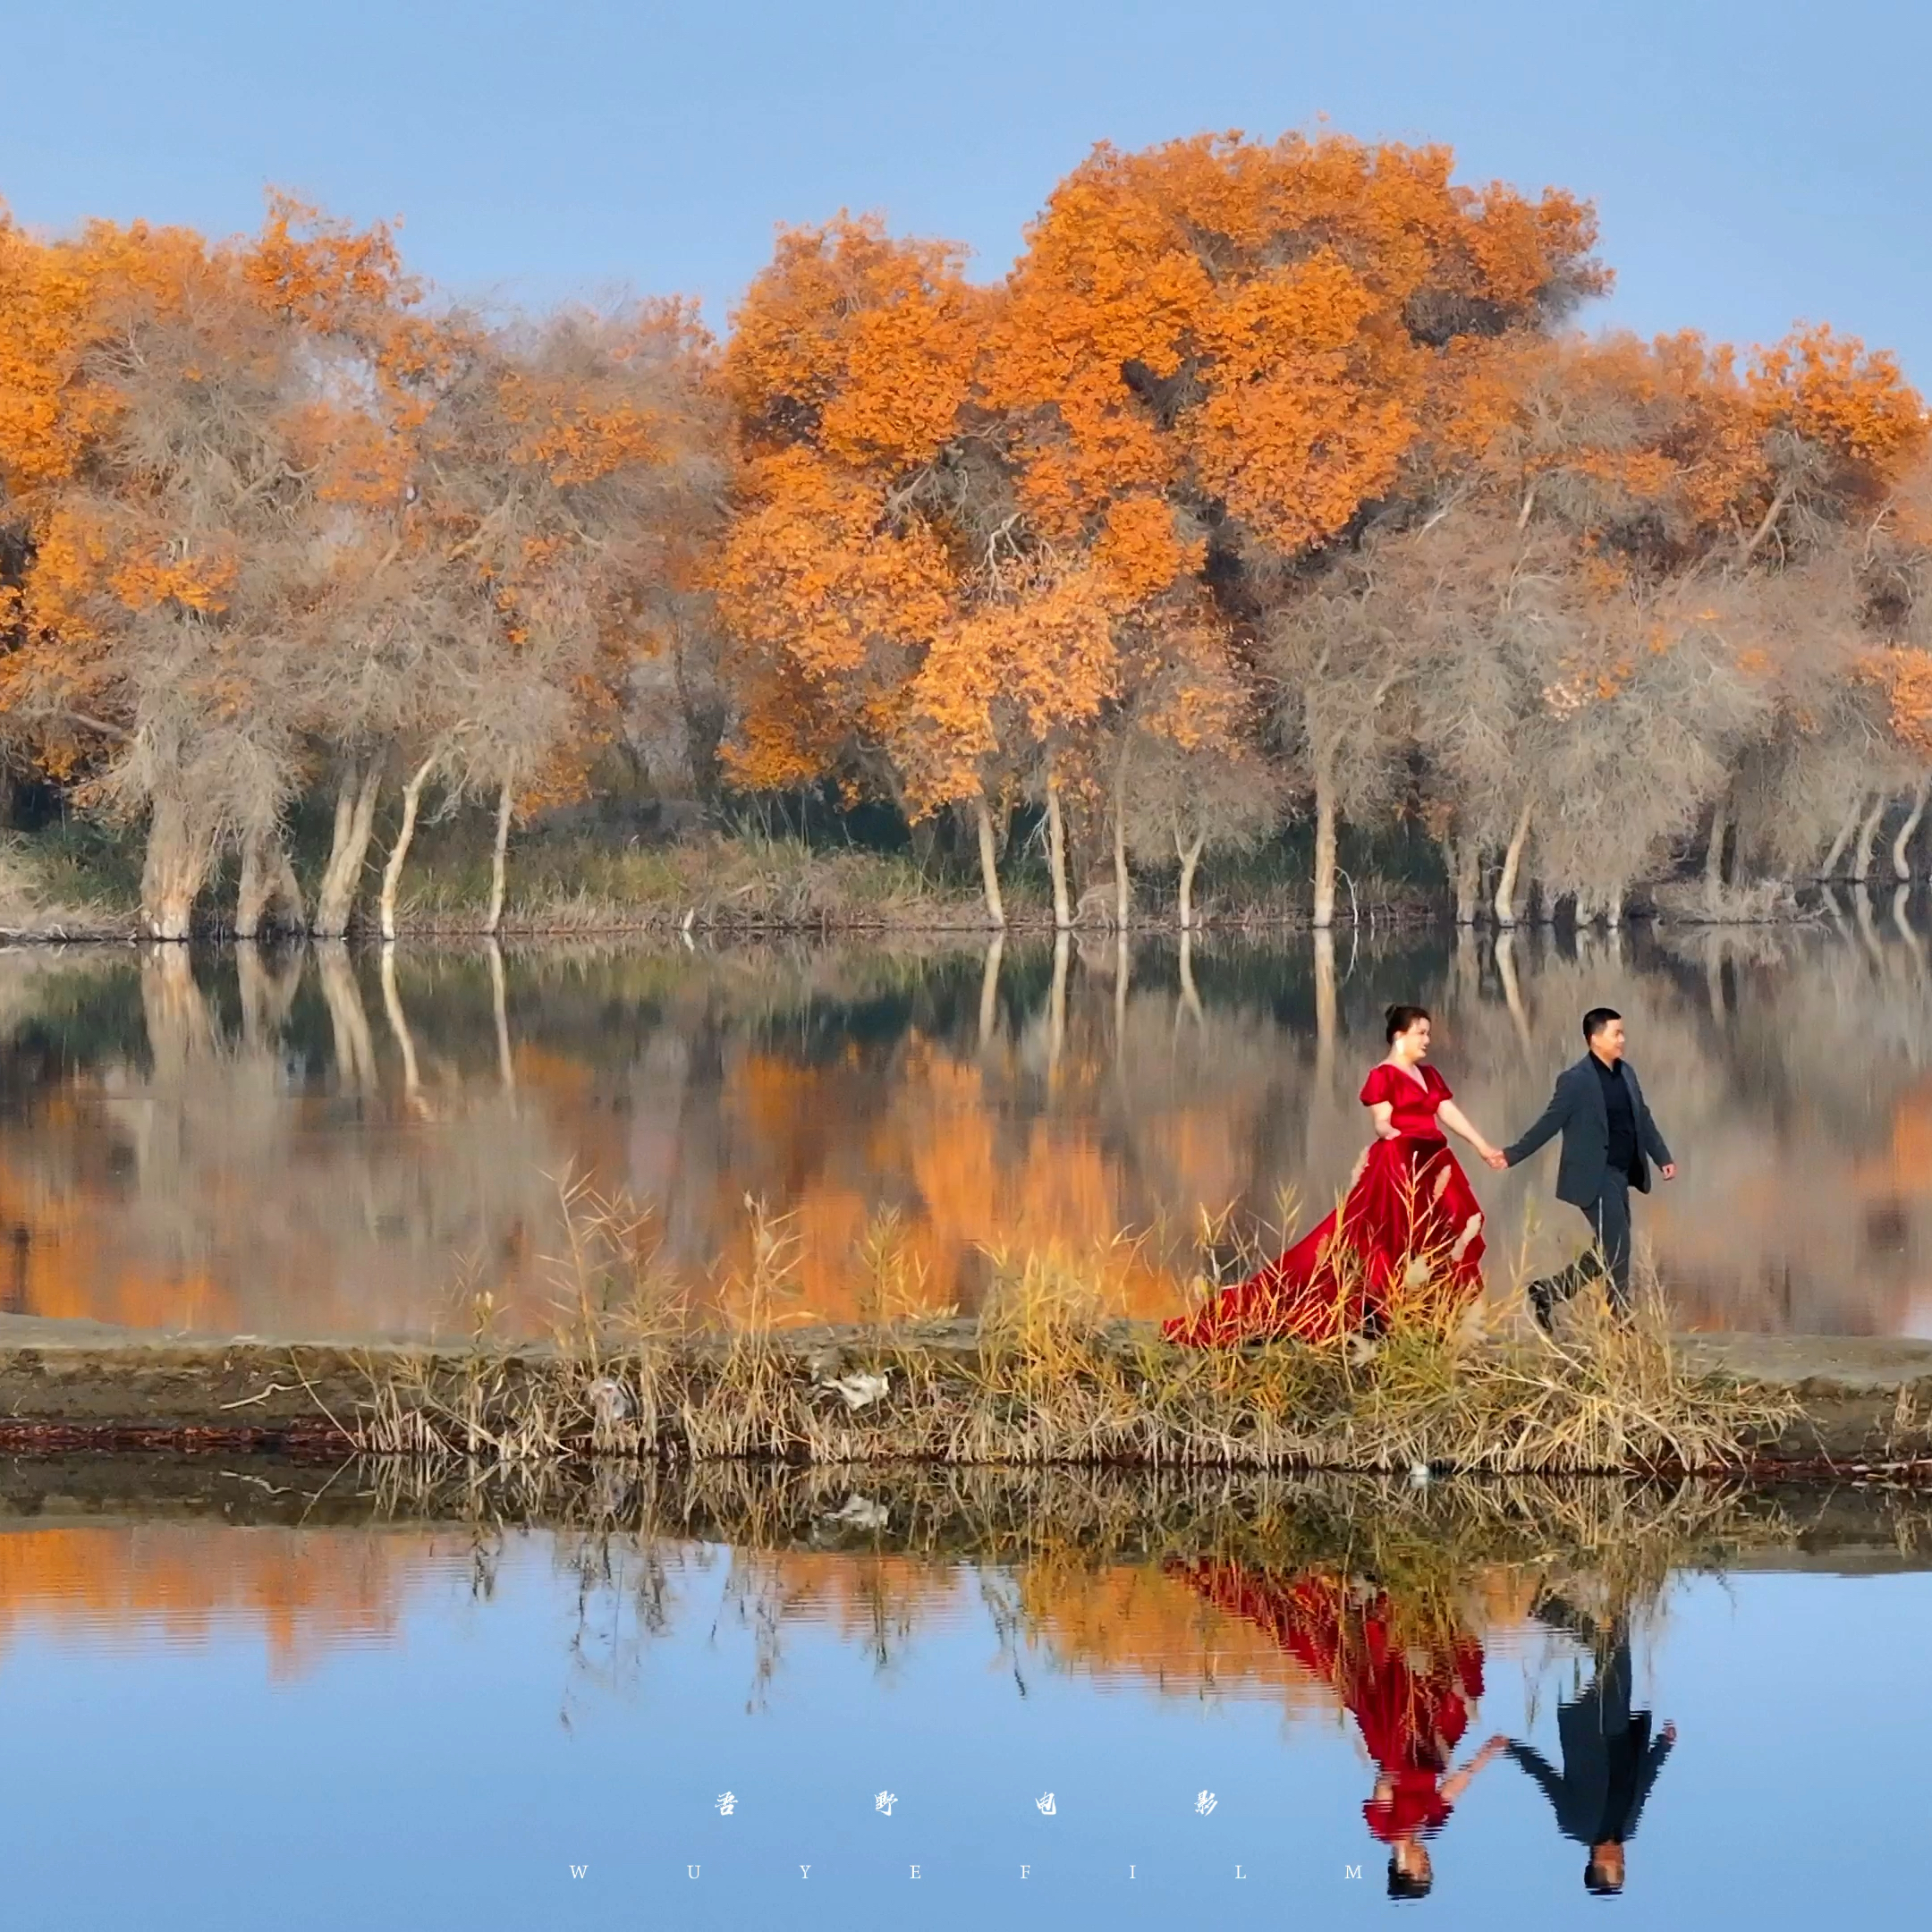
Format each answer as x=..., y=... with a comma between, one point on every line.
x=1862, y=1404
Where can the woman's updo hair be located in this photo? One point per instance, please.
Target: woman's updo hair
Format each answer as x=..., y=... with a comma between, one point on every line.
x=1398, y=1019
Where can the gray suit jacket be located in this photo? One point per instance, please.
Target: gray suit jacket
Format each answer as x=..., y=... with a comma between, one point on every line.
x=1577, y=1113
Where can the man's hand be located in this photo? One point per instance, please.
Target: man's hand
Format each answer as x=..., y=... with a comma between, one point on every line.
x=1495, y=1157
x=1668, y=1170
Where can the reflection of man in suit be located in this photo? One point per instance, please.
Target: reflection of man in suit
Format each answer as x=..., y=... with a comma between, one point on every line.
x=1608, y=1142
x=1609, y=1761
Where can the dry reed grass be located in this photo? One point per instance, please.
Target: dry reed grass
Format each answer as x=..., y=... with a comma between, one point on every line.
x=643, y=1367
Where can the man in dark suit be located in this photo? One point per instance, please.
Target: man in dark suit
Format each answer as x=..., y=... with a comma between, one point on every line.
x=1609, y=1141
x=1610, y=1760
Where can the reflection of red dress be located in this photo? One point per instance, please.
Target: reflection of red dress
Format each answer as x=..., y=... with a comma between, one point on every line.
x=1413, y=1710
x=1410, y=1201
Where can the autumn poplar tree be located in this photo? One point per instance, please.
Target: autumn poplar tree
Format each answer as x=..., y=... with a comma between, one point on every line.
x=1269, y=339
x=848, y=575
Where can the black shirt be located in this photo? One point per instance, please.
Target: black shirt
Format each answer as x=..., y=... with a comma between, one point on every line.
x=1621, y=1158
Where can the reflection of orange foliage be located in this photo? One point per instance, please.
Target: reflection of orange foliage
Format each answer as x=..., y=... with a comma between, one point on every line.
x=1905, y=1167
x=963, y=1179
x=59, y=1258
x=300, y=1592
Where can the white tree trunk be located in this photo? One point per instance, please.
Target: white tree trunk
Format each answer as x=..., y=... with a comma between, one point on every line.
x=989, y=862
x=1465, y=869
x=267, y=890
x=173, y=869
x=355, y=824
x=1827, y=865
x=1861, y=856
x=1190, y=857
x=1123, y=884
x=499, y=858
x=1063, y=910
x=252, y=888
x=1325, y=844
x=1902, y=844
x=399, y=852
x=1505, y=891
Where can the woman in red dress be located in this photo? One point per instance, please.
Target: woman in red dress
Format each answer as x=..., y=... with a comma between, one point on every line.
x=1411, y=1701
x=1407, y=1238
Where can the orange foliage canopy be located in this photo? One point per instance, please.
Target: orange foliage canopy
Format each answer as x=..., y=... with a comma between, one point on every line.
x=1267, y=328
x=849, y=368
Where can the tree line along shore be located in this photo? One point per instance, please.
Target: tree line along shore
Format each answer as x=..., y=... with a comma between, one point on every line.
x=1271, y=514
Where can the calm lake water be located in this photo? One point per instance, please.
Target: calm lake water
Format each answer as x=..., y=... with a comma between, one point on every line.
x=335, y=1143
x=212, y=1726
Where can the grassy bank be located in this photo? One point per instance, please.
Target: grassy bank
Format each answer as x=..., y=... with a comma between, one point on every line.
x=1039, y=1376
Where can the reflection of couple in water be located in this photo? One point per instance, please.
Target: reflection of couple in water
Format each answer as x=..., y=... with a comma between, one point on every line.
x=1411, y=1692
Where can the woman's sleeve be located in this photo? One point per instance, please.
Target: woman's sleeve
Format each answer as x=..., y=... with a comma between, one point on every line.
x=1377, y=1086
x=1444, y=1090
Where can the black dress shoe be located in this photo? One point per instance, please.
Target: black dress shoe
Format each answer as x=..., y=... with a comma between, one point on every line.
x=1542, y=1305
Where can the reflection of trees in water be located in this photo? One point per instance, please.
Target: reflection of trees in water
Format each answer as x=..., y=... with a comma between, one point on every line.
x=317, y=1140
x=305, y=1592
x=1177, y=1582
x=214, y=1182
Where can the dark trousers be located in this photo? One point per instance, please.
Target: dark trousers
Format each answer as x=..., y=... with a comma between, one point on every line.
x=1610, y=1246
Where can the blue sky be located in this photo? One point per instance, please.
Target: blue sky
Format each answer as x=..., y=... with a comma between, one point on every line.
x=1751, y=163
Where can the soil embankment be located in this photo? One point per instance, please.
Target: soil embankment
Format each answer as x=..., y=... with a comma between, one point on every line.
x=1863, y=1405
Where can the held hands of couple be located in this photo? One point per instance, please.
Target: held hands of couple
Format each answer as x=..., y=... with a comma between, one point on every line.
x=1494, y=1157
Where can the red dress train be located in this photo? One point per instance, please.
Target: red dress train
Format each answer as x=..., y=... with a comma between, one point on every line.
x=1410, y=1203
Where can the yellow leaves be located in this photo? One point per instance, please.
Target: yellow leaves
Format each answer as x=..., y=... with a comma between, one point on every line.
x=142, y=579
x=1311, y=312
x=1296, y=460
x=1137, y=550
x=324, y=274
x=1907, y=676
x=578, y=428
x=859, y=343
x=1830, y=390
x=56, y=301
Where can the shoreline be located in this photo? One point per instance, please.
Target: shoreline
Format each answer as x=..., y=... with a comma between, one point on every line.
x=126, y=930
x=1859, y=1408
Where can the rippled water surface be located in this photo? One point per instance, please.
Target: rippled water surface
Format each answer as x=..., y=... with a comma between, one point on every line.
x=210, y=1725
x=336, y=1143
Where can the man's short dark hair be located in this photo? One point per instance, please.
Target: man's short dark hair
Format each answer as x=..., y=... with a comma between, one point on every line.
x=1597, y=1883
x=1404, y=1885
x=1596, y=1019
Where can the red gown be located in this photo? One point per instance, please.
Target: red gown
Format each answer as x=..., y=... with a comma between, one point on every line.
x=1412, y=1708
x=1410, y=1202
